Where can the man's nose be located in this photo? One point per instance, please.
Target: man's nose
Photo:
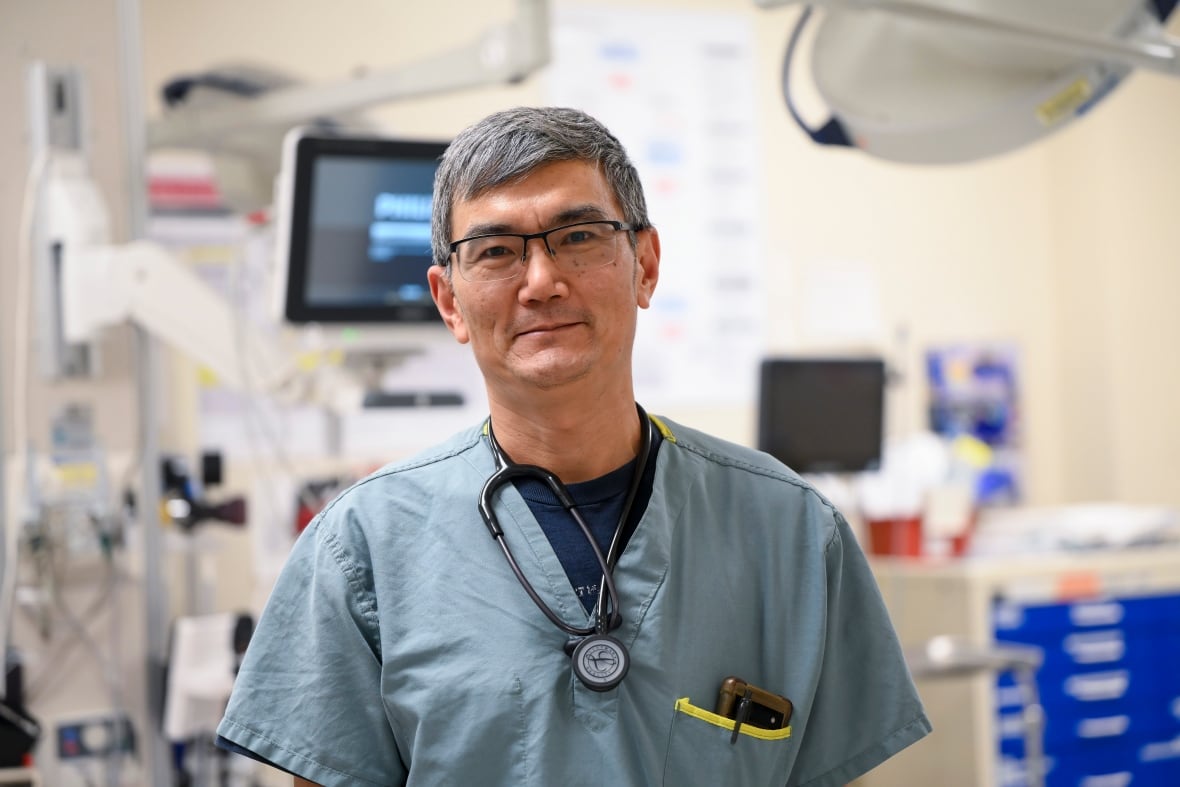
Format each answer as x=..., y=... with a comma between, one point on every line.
x=542, y=278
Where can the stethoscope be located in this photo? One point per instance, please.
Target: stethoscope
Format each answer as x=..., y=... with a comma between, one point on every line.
x=600, y=661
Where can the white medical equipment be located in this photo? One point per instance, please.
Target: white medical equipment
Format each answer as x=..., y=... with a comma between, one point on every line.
x=947, y=81
x=103, y=284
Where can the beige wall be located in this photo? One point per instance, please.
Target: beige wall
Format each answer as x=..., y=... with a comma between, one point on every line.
x=1115, y=197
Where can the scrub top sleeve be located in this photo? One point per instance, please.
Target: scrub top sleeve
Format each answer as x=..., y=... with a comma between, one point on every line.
x=865, y=708
x=308, y=695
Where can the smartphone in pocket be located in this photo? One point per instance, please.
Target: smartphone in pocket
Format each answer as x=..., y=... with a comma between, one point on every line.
x=762, y=708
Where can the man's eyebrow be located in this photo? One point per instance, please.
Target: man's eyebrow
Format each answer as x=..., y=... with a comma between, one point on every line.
x=587, y=212
x=488, y=228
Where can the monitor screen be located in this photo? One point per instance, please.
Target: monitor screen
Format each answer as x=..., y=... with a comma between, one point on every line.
x=357, y=233
x=822, y=415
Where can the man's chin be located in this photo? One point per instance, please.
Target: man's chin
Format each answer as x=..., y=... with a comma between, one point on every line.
x=551, y=370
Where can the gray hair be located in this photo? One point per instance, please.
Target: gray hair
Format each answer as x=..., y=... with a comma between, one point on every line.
x=507, y=146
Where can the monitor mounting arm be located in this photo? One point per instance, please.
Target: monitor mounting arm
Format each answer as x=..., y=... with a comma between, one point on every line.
x=506, y=53
x=102, y=284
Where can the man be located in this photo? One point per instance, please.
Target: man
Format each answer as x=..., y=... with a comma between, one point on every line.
x=428, y=630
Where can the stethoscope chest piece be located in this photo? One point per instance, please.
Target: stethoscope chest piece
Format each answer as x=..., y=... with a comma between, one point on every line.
x=601, y=662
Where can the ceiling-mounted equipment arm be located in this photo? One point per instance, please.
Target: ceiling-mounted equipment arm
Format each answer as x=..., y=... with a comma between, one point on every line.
x=506, y=53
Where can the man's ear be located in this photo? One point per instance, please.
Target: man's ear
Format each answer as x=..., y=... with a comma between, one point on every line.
x=647, y=258
x=443, y=291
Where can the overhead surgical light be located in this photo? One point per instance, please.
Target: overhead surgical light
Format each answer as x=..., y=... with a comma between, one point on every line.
x=948, y=81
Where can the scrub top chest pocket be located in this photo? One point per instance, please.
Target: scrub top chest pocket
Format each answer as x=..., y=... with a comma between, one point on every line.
x=702, y=750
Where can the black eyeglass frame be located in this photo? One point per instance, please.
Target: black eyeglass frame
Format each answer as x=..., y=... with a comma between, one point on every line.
x=618, y=226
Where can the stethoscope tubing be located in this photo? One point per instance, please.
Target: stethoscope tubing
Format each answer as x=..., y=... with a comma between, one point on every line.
x=616, y=542
x=506, y=471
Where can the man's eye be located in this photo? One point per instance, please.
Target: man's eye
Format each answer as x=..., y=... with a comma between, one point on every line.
x=580, y=236
x=493, y=252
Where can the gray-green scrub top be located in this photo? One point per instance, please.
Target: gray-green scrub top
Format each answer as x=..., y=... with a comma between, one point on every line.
x=398, y=648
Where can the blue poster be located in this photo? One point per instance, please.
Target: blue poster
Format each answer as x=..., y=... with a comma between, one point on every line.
x=974, y=396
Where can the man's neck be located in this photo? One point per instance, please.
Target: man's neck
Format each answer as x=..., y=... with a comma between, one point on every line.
x=577, y=443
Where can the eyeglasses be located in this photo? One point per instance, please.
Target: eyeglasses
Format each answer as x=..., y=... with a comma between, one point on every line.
x=573, y=247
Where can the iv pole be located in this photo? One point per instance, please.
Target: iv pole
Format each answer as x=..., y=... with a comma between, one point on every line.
x=156, y=752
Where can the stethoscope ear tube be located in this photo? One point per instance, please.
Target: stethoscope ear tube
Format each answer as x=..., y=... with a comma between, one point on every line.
x=616, y=542
x=504, y=474
x=485, y=507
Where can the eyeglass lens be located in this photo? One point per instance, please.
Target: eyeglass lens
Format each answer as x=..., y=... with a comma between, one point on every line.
x=576, y=247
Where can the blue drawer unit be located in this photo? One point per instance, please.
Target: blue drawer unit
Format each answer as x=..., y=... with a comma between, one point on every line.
x=1109, y=686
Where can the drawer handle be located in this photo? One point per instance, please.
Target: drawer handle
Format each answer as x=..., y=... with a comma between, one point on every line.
x=1099, y=686
x=1105, y=727
x=1107, y=614
x=1095, y=649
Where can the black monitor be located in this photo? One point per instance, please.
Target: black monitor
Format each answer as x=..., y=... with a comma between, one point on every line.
x=822, y=415
x=354, y=230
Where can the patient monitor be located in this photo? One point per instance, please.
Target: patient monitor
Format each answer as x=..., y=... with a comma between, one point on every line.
x=352, y=253
x=822, y=415
x=353, y=243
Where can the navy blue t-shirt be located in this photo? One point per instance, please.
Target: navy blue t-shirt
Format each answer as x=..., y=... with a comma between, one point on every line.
x=600, y=502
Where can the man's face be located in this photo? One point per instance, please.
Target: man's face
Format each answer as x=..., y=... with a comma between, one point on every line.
x=549, y=328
